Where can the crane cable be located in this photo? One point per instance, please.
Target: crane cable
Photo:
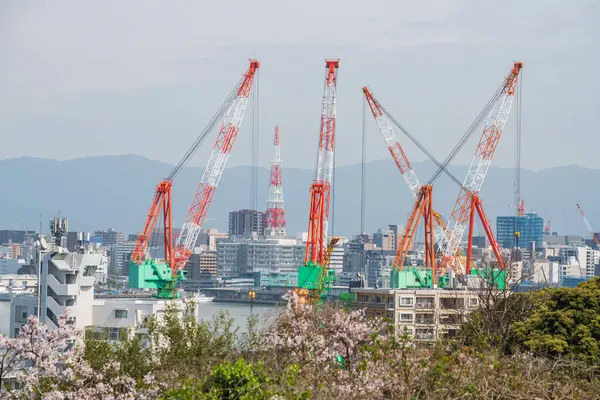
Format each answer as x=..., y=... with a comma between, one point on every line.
x=467, y=135
x=216, y=117
x=419, y=145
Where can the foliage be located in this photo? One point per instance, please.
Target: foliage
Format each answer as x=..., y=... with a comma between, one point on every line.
x=564, y=322
x=50, y=364
x=319, y=352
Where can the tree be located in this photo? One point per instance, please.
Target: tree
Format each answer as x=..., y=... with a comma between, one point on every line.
x=564, y=322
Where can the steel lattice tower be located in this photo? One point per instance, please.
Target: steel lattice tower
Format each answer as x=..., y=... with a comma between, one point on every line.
x=275, y=215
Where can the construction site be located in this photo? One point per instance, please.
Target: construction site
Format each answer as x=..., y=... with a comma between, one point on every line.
x=447, y=242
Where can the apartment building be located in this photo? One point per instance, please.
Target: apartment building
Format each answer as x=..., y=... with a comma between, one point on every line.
x=425, y=314
x=243, y=257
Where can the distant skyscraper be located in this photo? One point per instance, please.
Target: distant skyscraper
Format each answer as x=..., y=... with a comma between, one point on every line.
x=530, y=227
x=246, y=222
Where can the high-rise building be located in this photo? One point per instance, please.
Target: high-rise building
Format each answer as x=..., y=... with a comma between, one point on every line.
x=244, y=223
x=530, y=227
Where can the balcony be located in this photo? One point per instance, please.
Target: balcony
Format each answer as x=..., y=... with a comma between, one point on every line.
x=424, y=321
x=425, y=305
x=62, y=289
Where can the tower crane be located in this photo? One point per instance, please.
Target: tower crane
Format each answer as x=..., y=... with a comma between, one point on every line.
x=313, y=276
x=468, y=200
x=145, y=272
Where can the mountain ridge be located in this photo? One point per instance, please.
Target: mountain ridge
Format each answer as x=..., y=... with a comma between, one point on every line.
x=115, y=191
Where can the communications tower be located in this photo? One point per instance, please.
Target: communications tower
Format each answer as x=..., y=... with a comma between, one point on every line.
x=275, y=215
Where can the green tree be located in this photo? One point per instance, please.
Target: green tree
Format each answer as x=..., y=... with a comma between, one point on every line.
x=566, y=322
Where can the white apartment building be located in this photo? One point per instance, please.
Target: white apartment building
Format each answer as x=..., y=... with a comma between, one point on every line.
x=67, y=283
x=545, y=272
x=113, y=314
x=425, y=314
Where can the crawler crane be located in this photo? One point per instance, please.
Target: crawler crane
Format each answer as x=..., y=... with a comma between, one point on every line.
x=163, y=274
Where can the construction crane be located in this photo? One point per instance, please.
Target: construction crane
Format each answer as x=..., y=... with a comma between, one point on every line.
x=163, y=275
x=468, y=199
x=586, y=221
x=402, y=162
x=325, y=277
x=311, y=273
x=547, y=228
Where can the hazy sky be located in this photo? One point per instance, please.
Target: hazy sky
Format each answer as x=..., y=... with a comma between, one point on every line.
x=82, y=78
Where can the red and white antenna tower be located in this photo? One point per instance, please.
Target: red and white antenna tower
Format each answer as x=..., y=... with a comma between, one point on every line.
x=318, y=223
x=275, y=214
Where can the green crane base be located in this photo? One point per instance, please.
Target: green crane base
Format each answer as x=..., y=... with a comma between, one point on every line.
x=152, y=274
x=315, y=278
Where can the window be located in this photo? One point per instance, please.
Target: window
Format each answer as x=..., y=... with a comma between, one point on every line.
x=120, y=314
x=406, y=317
x=114, y=334
x=17, y=330
x=90, y=270
x=406, y=301
x=473, y=301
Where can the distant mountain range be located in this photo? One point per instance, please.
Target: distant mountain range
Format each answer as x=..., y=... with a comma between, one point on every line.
x=115, y=191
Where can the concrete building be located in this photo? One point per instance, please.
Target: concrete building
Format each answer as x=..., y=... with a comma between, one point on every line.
x=563, y=240
x=270, y=280
x=530, y=226
x=336, y=263
x=120, y=257
x=545, y=272
x=398, y=231
x=13, y=283
x=378, y=262
x=6, y=251
x=115, y=315
x=244, y=223
x=10, y=265
x=208, y=238
x=67, y=283
x=109, y=237
x=425, y=314
x=14, y=236
x=243, y=257
x=202, y=265
x=385, y=239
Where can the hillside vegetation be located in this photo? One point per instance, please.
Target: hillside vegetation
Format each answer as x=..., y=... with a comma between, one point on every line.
x=539, y=345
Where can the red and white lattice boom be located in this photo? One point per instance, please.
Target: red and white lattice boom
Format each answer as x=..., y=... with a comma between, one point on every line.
x=275, y=215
